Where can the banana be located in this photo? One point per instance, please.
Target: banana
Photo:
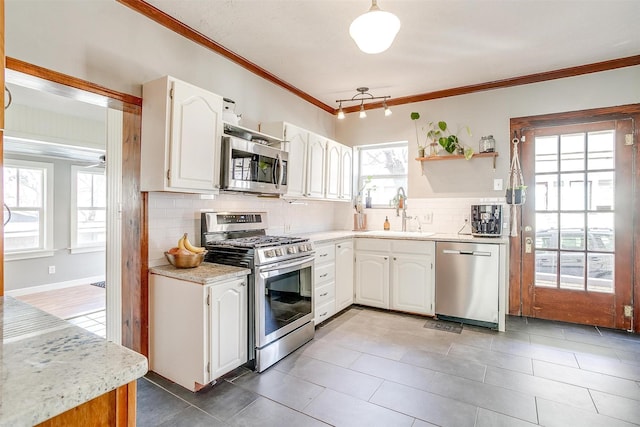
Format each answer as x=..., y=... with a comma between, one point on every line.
x=181, y=243
x=190, y=247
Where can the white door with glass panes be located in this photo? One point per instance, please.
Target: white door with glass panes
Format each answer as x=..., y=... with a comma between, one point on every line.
x=382, y=169
x=577, y=222
x=316, y=155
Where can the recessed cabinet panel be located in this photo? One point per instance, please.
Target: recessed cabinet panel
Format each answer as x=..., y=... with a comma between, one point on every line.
x=372, y=279
x=412, y=283
x=346, y=173
x=195, y=124
x=228, y=327
x=317, y=151
x=333, y=170
x=296, y=144
x=181, y=131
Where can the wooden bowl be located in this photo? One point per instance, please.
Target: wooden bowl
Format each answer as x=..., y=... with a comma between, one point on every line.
x=184, y=261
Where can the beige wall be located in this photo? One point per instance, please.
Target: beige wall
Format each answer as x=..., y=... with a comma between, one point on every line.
x=485, y=113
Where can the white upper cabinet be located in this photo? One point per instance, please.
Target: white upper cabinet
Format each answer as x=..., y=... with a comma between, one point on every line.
x=296, y=140
x=316, y=156
x=181, y=137
x=334, y=166
x=346, y=172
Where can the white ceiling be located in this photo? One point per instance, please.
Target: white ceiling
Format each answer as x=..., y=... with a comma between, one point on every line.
x=442, y=44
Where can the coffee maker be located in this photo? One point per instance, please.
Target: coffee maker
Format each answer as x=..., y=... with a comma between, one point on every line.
x=486, y=220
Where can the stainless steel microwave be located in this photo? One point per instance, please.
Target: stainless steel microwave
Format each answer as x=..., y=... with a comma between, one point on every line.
x=252, y=167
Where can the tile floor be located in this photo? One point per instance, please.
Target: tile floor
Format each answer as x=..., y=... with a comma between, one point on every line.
x=95, y=322
x=373, y=368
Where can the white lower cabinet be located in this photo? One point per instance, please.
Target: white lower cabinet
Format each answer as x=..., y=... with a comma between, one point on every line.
x=197, y=332
x=395, y=274
x=324, y=295
x=344, y=274
x=372, y=279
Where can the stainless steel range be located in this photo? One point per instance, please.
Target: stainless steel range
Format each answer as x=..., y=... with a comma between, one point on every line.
x=280, y=285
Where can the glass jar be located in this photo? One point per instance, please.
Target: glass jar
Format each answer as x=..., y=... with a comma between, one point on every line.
x=487, y=144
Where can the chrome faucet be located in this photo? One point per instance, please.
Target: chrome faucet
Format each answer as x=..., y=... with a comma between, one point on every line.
x=401, y=199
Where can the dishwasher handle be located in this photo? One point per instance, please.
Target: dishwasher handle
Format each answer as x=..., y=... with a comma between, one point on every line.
x=472, y=253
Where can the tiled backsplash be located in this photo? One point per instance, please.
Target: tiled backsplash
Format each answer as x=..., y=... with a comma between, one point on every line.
x=172, y=214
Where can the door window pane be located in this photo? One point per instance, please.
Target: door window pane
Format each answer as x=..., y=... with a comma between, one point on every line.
x=546, y=231
x=546, y=149
x=600, y=150
x=546, y=192
x=572, y=270
x=601, y=194
x=546, y=269
x=600, y=272
x=572, y=192
x=572, y=152
x=600, y=232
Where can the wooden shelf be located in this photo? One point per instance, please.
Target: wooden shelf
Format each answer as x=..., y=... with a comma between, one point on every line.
x=458, y=156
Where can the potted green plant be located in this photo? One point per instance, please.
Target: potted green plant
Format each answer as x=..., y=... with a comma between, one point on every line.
x=451, y=142
x=517, y=195
x=415, y=116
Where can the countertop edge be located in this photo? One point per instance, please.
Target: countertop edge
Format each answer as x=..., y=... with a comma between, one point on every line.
x=332, y=236
x=205, y=274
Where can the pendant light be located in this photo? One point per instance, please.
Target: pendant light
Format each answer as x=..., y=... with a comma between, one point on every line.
x=363, y=114
x=375, y=30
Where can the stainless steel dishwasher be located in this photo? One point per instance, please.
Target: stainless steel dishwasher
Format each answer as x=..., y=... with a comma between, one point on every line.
x=467, y=282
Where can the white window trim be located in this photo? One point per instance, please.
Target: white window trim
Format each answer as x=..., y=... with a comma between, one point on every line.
x=358, y=179
x=47, y=225
x=75, y=248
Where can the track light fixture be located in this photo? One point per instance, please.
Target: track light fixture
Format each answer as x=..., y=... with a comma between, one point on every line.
x=362, y=96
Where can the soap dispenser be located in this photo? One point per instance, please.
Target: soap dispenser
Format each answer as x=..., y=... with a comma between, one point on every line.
x=387, y=226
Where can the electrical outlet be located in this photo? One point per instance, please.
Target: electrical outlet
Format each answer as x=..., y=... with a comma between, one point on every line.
x=628, y=311
x=52, y=269
x=427, y=218
x=497, y=184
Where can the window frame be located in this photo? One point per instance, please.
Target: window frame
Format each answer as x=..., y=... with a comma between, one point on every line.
x=359, y=183
x=75, y=247
x=45, y=246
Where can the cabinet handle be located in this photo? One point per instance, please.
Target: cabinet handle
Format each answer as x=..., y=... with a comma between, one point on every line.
x=243, y=284
x=324, y=294
x=324, y=314
x=323, y=255
x=385, y=258
x=324, y=275
x=339, y=246
x=395, y=259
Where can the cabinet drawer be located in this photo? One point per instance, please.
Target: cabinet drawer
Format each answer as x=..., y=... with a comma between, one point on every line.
x=324, y=273
x=325, y=311
x=324, y=294
x=412, y=247
x=379, y=245
x=325, y=253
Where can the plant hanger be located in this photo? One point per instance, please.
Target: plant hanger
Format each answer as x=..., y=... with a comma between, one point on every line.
x=516, y=190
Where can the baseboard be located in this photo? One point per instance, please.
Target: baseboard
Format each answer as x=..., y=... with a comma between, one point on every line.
x=53, y=286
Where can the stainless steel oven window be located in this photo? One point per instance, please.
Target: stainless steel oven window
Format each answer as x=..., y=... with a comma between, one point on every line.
x=283, y=298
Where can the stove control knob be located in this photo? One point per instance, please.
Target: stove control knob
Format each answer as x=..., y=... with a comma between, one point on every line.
x=270, y=253
x=292, y=250
x=302, y=248
x=279, y=252
x=308, y=247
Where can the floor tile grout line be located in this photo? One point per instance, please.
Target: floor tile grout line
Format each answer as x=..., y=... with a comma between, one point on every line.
x=182, y=399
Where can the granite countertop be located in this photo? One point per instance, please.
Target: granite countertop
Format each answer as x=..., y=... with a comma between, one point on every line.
x=329, y=236
x=205, y=274
x=50, y=366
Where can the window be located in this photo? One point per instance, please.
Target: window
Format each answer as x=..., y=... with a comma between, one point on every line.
x=382, y=168
x=28, y=193
x=88, y=210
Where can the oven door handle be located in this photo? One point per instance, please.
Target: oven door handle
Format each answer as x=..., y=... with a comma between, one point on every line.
x=298, y=262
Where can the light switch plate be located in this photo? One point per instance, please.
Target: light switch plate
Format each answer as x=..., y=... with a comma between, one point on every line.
x=497, y=184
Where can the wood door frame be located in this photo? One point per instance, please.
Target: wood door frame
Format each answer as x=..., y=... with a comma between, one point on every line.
x=517, y=126
x=134, y=235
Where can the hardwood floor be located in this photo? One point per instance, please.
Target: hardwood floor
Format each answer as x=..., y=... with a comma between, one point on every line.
x=70, y=302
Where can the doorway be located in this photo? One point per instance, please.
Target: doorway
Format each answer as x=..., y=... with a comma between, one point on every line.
x=575, y=248
x=56, y=253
